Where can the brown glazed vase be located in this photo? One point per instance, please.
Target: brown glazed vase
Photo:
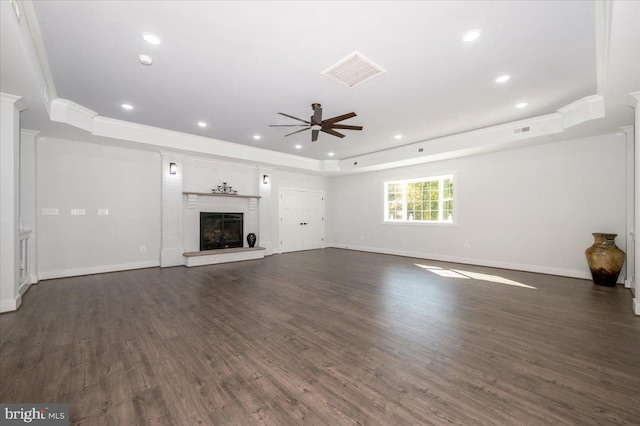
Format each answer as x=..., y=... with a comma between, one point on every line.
x=605, y=259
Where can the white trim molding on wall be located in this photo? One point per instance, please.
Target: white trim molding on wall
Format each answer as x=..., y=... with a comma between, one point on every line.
x=634, y=101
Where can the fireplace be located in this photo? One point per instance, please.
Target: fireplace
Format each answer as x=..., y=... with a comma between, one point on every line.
x=220, y=230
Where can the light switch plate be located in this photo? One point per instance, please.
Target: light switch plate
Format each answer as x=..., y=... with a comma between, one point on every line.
x=77, y=212
x=49, y=212
x=103, y=212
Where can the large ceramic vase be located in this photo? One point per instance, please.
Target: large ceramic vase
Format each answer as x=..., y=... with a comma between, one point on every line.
x=251, y=239
x=605, y=259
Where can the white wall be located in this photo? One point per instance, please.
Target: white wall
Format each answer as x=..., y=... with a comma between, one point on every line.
x=531, y=208
x=80, y=175
x=290, y=180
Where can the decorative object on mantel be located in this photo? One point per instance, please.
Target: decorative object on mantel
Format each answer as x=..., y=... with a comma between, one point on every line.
x=605, y=259
x=224, y=189
x=251, y=239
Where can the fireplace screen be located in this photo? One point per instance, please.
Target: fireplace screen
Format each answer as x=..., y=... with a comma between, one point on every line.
x=220, y=230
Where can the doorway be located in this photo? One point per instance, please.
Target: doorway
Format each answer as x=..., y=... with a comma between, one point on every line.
x=301, y=220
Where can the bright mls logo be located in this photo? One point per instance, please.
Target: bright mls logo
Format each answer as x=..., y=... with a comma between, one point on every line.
x=37, y=414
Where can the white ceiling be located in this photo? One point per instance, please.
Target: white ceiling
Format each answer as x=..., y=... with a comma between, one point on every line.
x=236, y=64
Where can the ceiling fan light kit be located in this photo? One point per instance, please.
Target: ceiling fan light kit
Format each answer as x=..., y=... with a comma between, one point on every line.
x=316, y=124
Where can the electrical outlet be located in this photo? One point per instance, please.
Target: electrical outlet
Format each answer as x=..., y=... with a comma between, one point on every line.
x=143, y=248
x=466, y=246
x=49, y=212
x=78, y=212
x=103, y=212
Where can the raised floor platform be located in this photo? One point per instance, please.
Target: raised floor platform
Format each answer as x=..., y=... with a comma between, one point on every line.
x=211, y=257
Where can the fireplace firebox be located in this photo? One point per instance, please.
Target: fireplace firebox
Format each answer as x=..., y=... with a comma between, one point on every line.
x=220, y=230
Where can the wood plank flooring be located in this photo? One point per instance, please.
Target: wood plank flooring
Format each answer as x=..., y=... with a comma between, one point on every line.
x=325, y=337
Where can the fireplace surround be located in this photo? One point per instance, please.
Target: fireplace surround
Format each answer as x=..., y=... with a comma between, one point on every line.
x=221, y=230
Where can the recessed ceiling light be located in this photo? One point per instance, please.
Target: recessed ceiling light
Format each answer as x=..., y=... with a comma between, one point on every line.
x=502, y=78
x=471, y=35
x=202, y=124
x=151, y=38
x=331, y=154
x=145, y=60
x=521, y=105
x=298, y=146
x=256, y=137
x=397, y=137
x=127, y=106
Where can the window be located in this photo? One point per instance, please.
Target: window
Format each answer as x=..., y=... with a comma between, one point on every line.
x=419, y=200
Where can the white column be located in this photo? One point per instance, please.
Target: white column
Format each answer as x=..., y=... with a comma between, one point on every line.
x=628, y=238
x=10, y=107
x=28, y=204
x=171, y=233
x=266, y=232
x=634, y=101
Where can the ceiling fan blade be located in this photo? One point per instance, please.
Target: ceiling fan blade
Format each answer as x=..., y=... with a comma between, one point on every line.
x=345, y=127
x=295, y=118
x=314, y=135
x=288, y=125
x=297, y=131
x=333, y=132
x=317, y=115
x=339, y=118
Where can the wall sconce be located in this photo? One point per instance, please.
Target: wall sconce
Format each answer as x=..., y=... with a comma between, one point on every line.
x=265, y=179
x=173, y=168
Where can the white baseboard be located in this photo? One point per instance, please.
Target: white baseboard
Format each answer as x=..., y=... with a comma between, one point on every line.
x=471, y=261
x=34, y=278
x=47, y=275
x=24, y=287
x=10, y=305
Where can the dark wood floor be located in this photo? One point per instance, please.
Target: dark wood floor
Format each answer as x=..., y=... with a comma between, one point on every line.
x=325, y=337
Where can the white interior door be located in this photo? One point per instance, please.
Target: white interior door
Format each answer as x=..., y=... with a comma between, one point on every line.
x=301, y=220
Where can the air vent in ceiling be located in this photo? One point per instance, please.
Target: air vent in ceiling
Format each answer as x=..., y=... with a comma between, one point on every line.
x=353, y=70
x=522, y=130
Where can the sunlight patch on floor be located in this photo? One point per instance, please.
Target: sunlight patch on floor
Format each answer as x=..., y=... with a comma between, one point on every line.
x=456, y=273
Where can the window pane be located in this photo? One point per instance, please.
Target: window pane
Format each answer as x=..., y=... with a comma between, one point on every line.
x=424, y=200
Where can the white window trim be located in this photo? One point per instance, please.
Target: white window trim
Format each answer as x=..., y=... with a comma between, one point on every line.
x=403, y=222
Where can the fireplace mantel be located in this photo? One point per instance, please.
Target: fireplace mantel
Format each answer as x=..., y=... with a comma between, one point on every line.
x=211, y=194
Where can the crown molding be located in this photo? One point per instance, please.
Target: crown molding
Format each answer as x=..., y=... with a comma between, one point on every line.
x=603, y=20
x=65, y=111
x=34, y=44
x=488, y=139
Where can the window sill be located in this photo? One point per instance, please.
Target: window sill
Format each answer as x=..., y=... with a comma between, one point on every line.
x=415, y=223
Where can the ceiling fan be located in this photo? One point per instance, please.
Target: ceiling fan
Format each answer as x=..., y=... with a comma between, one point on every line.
x=317, y=124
